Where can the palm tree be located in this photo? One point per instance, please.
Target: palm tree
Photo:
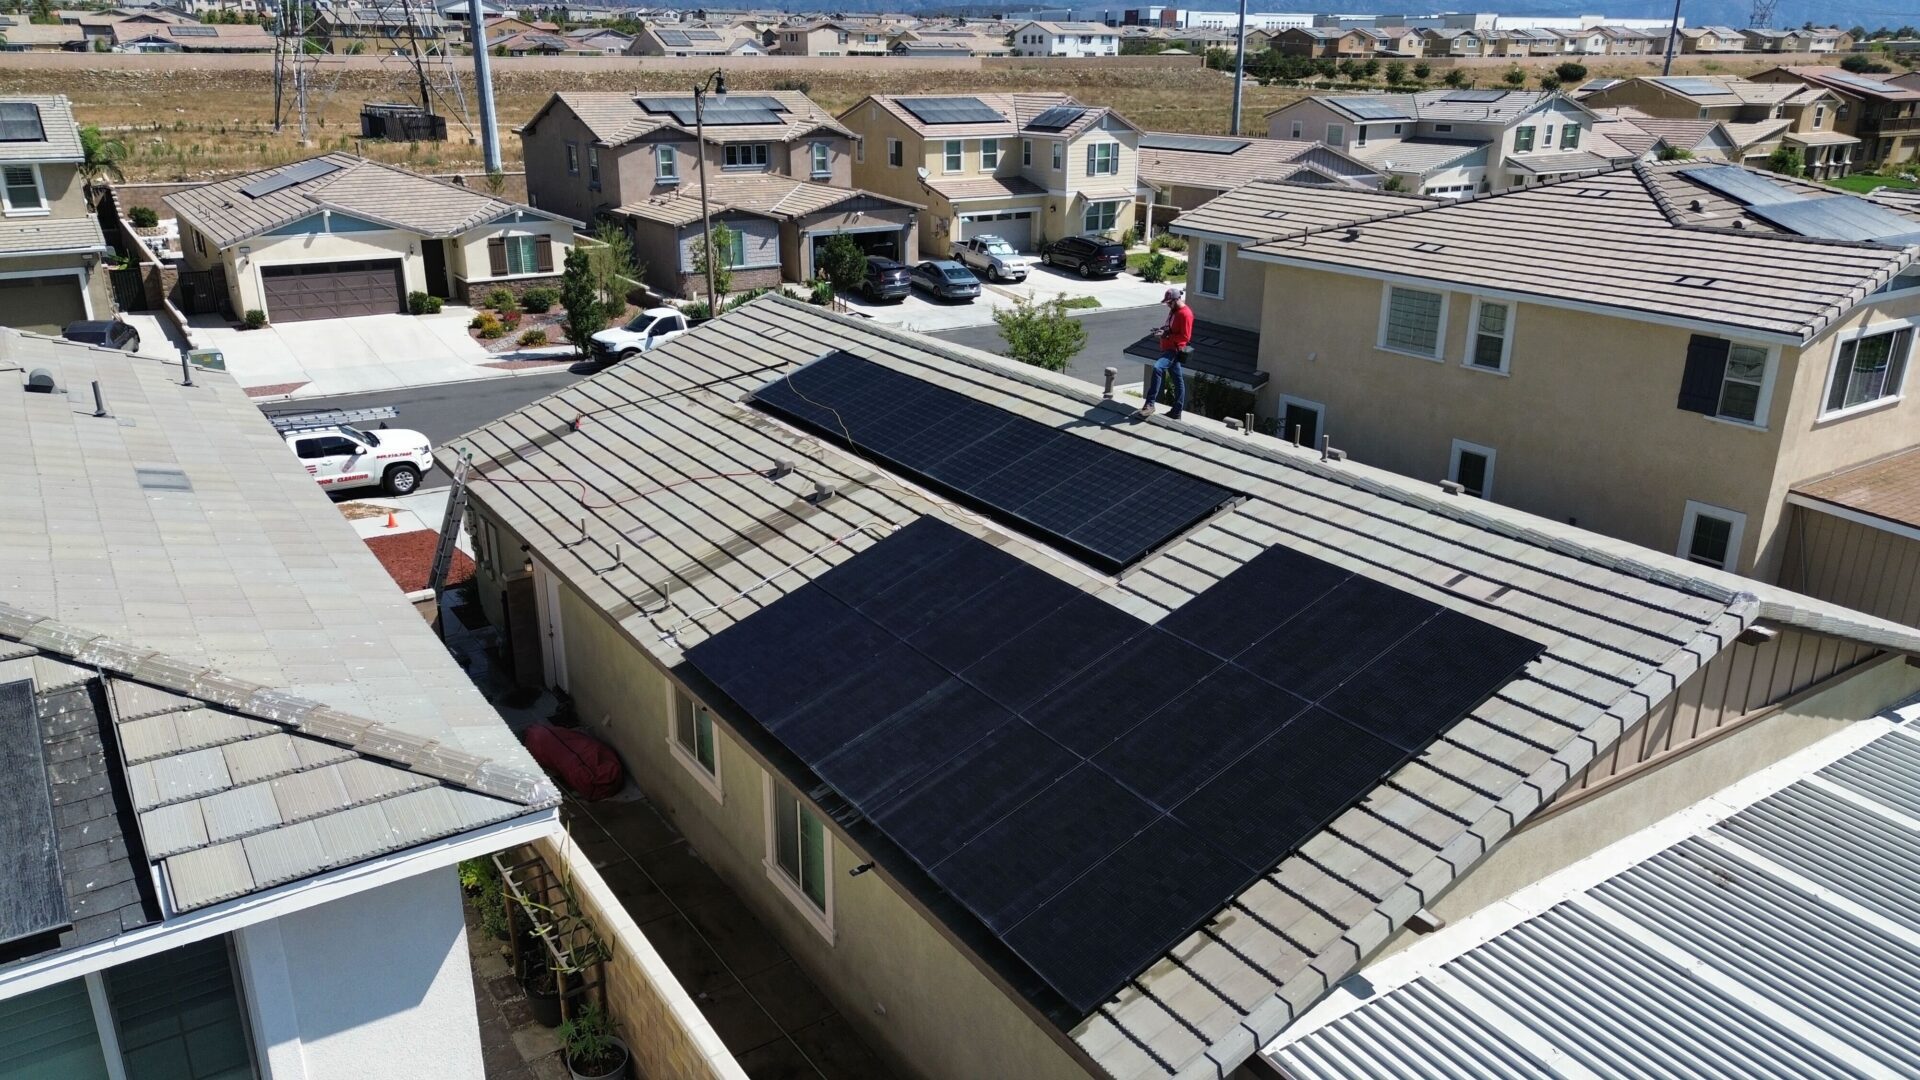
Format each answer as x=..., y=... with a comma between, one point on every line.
x=102, y=162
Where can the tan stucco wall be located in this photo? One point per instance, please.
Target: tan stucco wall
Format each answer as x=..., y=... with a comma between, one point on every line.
x=66, y=194
x=243, y=282
x=907, y=990
x=1539, y=849
x=98, y=287
x=468, y=253
x=1245, y=286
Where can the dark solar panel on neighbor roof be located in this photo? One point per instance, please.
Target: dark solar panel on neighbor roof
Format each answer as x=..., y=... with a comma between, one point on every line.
x=1476, y=95
x=1104, y=506
x=1374, y=110
x=1736, y=183
x=1199, y=144
x=1058, y=118
x=33, y=896
x=1089, y=787
x=193, y=31
x=950, y=110
x=1840, y=217
x=20, y=122
x=719, y=109
x=289, y=176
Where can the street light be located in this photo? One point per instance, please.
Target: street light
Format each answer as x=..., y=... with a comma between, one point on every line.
x=717, y=80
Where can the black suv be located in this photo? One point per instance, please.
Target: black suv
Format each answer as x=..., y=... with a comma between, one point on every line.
x=105, y=333
x=1091, y=256
x=886, y=279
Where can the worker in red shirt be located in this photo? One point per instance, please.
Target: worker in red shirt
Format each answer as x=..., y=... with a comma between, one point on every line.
x=1176, y=346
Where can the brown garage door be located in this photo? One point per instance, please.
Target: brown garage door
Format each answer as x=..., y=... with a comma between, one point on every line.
x=333, y=290
x=41, y=304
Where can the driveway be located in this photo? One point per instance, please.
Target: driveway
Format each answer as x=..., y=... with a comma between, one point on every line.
x=1108, y=335
x=920, y=313
x=323, y=357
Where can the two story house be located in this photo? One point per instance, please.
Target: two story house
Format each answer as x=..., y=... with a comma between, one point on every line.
x=52, y=253
x=1758, y=116
x=779, y=174
x=1879, y=110
x=1069, y=39
x=1179, y=171
x=830, y=38
x=1677, y=354
x=1324, y=42
x=1030, y=168
x=1451, y=142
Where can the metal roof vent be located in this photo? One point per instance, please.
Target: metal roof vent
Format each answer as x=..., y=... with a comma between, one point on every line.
x=162, y=479
x=40, y=381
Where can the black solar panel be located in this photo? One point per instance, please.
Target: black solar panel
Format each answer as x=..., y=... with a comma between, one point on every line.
x=1102, y=505
x=33, y=896
x=719, y=109
x=950, y=110
x=1199, y=144
x=1475, y=95
x=1091, y=789
x=289, y=176
x=20, y=122
x=1058, y=118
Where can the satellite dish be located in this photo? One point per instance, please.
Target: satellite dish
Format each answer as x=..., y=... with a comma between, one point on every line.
x=921, y=172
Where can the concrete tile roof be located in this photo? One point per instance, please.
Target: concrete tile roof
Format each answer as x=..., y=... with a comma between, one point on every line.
x=707, y=538
x=35, y=34
x=1422, y=154
x=1558, y=164
x=1437, y=105
x=616, y=119
x=1618, y=241
x=781, y=197
x=378, y=192
x=24, y=236
x=987, y=187
x=1847, y=84
x=1016, y=110
x=1271, y=209
x=1747, y=134
x=62, y=142
x=1888, y=488
x=1259, y=159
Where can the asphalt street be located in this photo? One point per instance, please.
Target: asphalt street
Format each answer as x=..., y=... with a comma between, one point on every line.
x=1108, y=335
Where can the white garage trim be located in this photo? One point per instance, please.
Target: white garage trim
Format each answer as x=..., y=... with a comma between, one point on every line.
x=243, y=252
x=86, y=295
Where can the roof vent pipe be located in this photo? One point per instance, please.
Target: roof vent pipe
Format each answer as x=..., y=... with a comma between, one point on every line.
x=39, y=381
x=99, y=399
x=1106, y=391
x=822, y=491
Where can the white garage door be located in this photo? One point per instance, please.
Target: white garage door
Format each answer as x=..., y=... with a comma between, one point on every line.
x=1013, y=226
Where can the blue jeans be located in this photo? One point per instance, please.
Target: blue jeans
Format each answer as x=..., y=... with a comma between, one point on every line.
x=1160, y=367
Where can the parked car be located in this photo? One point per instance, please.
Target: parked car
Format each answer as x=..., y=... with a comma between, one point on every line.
x=992, y=258
x=1090, y=256
x=946, y=279
x=646, y=331
x=886, y=279
x=106, y=333
x=343, y=456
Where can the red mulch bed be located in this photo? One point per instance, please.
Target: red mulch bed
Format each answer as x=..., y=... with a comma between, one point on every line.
x=408, y=558
x=274, y=389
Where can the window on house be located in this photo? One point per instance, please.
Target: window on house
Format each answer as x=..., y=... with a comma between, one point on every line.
x=1213, y=270
x=1336, y=135
x=1710, y=535
x=1546, y=136
x=820, y=160
x=797, y=850
x=1492, y=336
x=1298, y=130
x=199, y=242
x=593, y=166
x=1103, y=159
x=745, y=156
x=1026, y=153
x=954, y=151
x=1442, y=128
x=1410, y=321
x=23, y=189
x=667, y=165
x=1569, y=136
x=893, y=153
x=177, y=1014
x=1101, y=216
x=573, y=159
x=989, y=154
x=693, y=741
x=1300, y=420
x=522, y=254
x=1724, y=379
x=1360, y=135
x=1819, y=114
x=859, y=151
x=1523, y=139
x=736, y=253
x=1869, y=369
x=1059, y=156
x=1471, y=466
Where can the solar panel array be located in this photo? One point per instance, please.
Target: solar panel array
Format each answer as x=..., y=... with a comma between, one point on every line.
x=33, y=895
x=1199, y=144
x=1840, y=217
x=1374, y=109
x=950, y=110
x=1861, y=82
x=1058, y=118
x=1091, y=788
x=719, y=109
x=686, y=37
x=1476, y=95
x=289, y=176
x=1739, y=184
x=193, y=31
x=1106, y=507
x=20, y=122
x=1692, y=87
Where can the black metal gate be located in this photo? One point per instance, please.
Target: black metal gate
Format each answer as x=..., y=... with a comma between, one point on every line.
x=201, y=292
x=129, y=291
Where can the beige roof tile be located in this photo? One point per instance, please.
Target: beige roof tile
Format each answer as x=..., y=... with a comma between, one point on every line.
x=1888, y=489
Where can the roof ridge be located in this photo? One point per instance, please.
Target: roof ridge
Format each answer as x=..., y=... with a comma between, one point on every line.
x=313, y=719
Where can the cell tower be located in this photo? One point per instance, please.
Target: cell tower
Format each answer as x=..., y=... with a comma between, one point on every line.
x=1761, y=17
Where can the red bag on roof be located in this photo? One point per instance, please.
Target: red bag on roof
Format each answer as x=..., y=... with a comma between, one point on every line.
x=588, y=767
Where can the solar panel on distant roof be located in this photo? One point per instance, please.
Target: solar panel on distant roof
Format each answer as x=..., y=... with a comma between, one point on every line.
x=703, y=35
x=193, y=31
x=1373, y=109
x=33, y=897
x=1058, y=118
x=1199, y=144
x=289, y=176
x=1840, y=217
x=671, y=37
x=20, y=122
x=1861, y=82
x=1748, y=188
x=950, y=110
x=1691, y=87
x=1475, y=95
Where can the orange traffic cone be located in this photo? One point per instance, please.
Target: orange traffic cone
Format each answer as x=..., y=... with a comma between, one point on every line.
x=391, y=523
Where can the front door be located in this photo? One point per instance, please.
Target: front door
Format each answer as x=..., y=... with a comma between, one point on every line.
x=553, y=646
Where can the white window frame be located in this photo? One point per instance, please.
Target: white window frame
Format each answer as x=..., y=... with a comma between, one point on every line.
x=1316, y=408
x=666, y=164
x=1439, y=354
x=1299, y=130
x=1833, y=367
x=1059, y=156
x=1735, y=534
x=689, y=759
x=1336, y=135
x=1473, y=338
x=1764, y=406
x=894, y=157
x=988, y=163
x=820, y=920
x=1086, y=215
x=1573, y=130
x=820, y=160
x=1103, y=159
x=1026, y=153
x=1453, y=465
x=39, y=188
x=1219, y=291
x=1819, y=113
x=953, y=155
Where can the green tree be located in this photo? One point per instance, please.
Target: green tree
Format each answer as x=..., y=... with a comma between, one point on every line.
x=1350, y=69
x=1220, y=59
x=1862, y=64
x=1676, y=153
x=1455, y=77
x=100, y=164
x=1142, y=46
x=1423, y=71
x=1324, y=66
x=1396, y=72
x=614, y=271
x=843, y=263
x=722, y=268
x=496, y=182
x=1043, y=334
x=1514, y=77
x=580, y=296
x=1371, y=68
x=1549, y=83
x=1786, y=161
x=1857, y=33
x=1571, y=72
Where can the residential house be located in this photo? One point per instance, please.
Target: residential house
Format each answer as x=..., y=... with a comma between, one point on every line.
x=949, y=43
x=52, y=253
x=1825, y=39
x=1065, y=39
x=782, y=181
x=1711, y=39
x=1455, y=43
x=1390, y=41
x=1451, y=142
x=658, y=40
x=95, y=25
x=1030, y=168
x=1178, y=172
x=1631, y=41
x=537, y=43
x=1878, y=110
x=1714, y=305
x=1585, y=41
x=1259, y=41
x=830, y=38
x=130, y=36
x=1324, y=42
x=984, y=746
x=1648, y=137
x=241, y=769
x=23, y=36
x=1524, y=41
x=599, y=39
x=338, y=235
x=381, y=30
x=1759, y=117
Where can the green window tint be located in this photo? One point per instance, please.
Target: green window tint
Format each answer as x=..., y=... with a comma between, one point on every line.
x=178, y=1015
x=50, y=1035
x=520, y=255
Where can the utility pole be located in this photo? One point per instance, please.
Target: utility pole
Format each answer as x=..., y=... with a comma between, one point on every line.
x=1239, y=66
x=718, y=80
x=1673, y=40
x=483, y=87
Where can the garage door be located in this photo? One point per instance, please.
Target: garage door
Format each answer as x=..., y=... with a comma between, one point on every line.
x=884, y=242
x=41, y=304
x=333, y=290
x=1015, y=227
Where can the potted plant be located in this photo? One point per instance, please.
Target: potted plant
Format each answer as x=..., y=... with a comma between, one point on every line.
x=592, y=1051
x=543, y=991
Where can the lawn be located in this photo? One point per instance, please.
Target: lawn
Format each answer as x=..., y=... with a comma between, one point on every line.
x=1860, y=185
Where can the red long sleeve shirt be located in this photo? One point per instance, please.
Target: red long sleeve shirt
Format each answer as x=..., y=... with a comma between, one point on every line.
x=1179, y=331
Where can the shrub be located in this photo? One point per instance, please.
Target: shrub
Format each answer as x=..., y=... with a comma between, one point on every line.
x=490, y=327
x=821, y=294
x=580, y=297
x=254, y=319
x=1160, y=266
x=697, y=309
x=1571, y=72
x=1862, y=64
x=1423, y=71
x=1455, y=77
x=419, y=303
x=480, y=319
x=1041, y=334
x=1396, y=72
x=1549, y=82
x=1786, y=161
x=503, y=300
x=533, y=338
x=843, y=262
x=510, y=319
x=1514, y=77
x=539, y=299
x=1170, y=242
x=143, y=217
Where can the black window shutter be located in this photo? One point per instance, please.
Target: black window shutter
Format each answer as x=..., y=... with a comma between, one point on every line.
x=1706, y=370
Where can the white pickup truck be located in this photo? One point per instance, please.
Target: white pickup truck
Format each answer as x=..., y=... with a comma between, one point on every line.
x=646, y=331
x=339, y=455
